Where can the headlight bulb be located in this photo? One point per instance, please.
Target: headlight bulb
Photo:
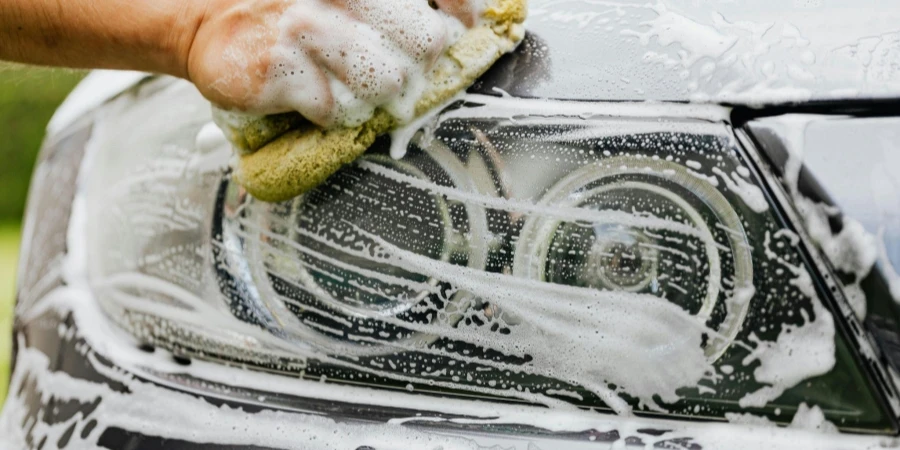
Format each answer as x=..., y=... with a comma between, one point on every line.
x=619, y=260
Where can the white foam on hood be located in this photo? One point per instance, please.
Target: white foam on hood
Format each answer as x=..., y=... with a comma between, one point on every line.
x=765, y=51
x=157, y=411
x=698, y=40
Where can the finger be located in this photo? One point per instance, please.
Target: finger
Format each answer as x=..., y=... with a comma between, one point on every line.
x=297, y=83
x=295, y=79
x=229, y=63
x=411, y=24
x=464, y=10
x=358, y=57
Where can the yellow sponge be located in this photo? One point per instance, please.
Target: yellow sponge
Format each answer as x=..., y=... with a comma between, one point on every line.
x=302, y=158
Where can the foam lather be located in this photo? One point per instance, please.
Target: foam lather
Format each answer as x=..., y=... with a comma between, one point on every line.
x=282, y=156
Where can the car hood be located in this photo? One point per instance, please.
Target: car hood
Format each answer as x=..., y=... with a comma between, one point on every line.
x=726, y=51
x=748, y=53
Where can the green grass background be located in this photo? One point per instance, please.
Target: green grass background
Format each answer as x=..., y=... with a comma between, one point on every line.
x=9, y=250
x=28, y=97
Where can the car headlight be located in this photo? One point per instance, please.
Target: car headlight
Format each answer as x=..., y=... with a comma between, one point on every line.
x=624, y=257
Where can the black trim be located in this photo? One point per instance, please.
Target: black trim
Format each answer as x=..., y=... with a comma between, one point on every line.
x=741, y=114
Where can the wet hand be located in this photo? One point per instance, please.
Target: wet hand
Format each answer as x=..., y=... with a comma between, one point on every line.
x=333, y=61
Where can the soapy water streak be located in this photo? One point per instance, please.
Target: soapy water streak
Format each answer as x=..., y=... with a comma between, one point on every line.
x=593, y=358
x=518, y=206
x=581, y=336
x=584, y=336
x=808, y=348
x=608, y=359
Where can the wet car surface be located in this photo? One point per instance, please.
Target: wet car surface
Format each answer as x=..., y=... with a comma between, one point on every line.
x=657, y=225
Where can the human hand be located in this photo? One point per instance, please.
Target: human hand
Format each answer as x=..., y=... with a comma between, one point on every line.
x=333, y=61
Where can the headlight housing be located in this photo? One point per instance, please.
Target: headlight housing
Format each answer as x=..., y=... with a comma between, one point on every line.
x=623, y=257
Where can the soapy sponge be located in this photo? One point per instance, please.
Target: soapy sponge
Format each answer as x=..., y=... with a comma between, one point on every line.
x=302, y=155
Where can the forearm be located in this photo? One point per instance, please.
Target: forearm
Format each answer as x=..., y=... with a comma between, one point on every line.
x=148, y=35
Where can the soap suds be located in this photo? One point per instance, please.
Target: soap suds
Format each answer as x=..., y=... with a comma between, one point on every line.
x=751, y=194
x=159, y=411
x=749, y=419
x=697, y=40
x=155, y=411
x=813, y=419
x=403, y=135
x=630, y=323
x=729, y=54
x=800, y=351
x=853, y=250
x=379, y=59
x=209, y=137
x=893, y=278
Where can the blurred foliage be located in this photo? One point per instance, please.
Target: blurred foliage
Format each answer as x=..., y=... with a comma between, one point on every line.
x=9, y=250
x=28, y=97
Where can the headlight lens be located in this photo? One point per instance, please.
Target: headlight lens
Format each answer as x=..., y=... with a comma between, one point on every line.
x=683, y=267
x=619, y=260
